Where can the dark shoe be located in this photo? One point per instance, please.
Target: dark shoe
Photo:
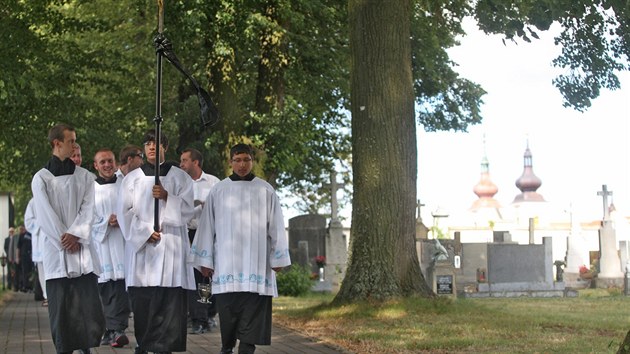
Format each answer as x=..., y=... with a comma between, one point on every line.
x=227, y=351
x=198, y=329
x=108, y=337
x=246, y=348
x=120, y=339
x=137, y=350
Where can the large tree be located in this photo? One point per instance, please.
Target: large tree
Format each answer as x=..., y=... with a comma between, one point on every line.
x=398, y=46
x=384, y=261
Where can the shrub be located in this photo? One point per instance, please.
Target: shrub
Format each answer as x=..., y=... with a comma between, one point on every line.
x=294, y=281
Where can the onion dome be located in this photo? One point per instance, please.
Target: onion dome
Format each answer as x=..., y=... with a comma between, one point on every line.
x=528, y=183
x=485, y=189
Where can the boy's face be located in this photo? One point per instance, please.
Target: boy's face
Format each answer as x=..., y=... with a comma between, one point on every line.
x=242, y=164
x=150, y=153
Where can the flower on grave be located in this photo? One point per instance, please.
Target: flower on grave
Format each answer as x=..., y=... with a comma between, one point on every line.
x=584, y=269
x=320, y=260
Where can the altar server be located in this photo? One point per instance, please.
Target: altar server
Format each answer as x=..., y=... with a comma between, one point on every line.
x=157, y=273
x=241, y=242
x=63, y=196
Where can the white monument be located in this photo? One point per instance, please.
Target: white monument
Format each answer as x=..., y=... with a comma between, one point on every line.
x=610, y=273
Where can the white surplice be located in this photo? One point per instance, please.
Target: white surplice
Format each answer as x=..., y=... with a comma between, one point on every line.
x=32, y=227
x=65, y=204
x=108, y=241
x=164, y=263
x=241, y=236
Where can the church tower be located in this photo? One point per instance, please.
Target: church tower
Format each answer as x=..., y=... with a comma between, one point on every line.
x=528, y=183
x=485, y=189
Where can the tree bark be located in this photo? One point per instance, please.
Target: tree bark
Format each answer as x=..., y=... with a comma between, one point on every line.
x=624, y=347
x=383, y=259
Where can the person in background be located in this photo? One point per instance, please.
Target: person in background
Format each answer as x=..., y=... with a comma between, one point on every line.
x=76, y=157
x=130, y=158
x=63, y=196
x=241, y=243
x=110, y=246
x=191, y=161
x=158, y=276
x=10, y=249
x=32, y=227
x=25, y=247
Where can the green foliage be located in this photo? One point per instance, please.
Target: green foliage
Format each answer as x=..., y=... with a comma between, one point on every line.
x=295, y=281
x=595, y=39
x=445, y=101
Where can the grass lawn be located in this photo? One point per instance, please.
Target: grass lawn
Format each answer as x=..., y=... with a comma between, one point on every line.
x=594, y=322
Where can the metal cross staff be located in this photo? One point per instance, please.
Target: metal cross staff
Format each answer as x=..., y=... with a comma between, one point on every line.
x=208, y=111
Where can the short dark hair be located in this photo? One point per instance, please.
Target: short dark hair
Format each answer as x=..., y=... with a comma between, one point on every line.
x=105, y=150
x=56, y=132
x=241, y=149
x=195, y=155
x=150, y=136
x=127, y=152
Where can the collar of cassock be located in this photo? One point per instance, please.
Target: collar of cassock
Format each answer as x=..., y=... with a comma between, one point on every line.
x=149, y=169
x=249, y=177
x=101, y=180
x=60, y=168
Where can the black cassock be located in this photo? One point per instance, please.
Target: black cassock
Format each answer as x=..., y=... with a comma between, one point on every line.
x=75, y=312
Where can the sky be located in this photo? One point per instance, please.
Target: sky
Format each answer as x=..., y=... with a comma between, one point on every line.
x=573, y=153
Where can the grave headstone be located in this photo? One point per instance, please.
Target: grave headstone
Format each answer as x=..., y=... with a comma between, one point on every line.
x=501, y=237
x=307, y=239
x=610, y=274
x=336, y=255
x=443, y=279
x=516, y=270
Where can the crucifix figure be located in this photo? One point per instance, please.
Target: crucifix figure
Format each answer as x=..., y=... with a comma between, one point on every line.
x=605, y=193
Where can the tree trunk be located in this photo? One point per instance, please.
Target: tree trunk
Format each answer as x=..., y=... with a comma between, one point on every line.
x=624, y=348
x=383, y=259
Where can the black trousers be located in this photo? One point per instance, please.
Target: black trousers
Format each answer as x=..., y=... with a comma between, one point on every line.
x=159, y=318
x=244, y=316
x=75, y=312
x=115, y=302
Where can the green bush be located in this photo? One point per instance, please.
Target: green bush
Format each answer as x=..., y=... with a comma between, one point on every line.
x=294, y=281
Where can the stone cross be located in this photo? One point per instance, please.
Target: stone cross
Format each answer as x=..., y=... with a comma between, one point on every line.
x=418, y=206
x=334, y=186
x=605, y=193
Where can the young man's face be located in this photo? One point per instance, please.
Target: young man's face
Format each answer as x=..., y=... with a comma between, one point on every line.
x=105, y=164
x=242, y=164
x=149, y=151
x=66, y=147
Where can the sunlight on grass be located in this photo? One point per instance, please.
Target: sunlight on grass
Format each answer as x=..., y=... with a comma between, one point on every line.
x=391, y=314
x=594, y=322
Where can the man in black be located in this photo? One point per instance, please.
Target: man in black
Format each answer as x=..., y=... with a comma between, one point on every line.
x=26, y=259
